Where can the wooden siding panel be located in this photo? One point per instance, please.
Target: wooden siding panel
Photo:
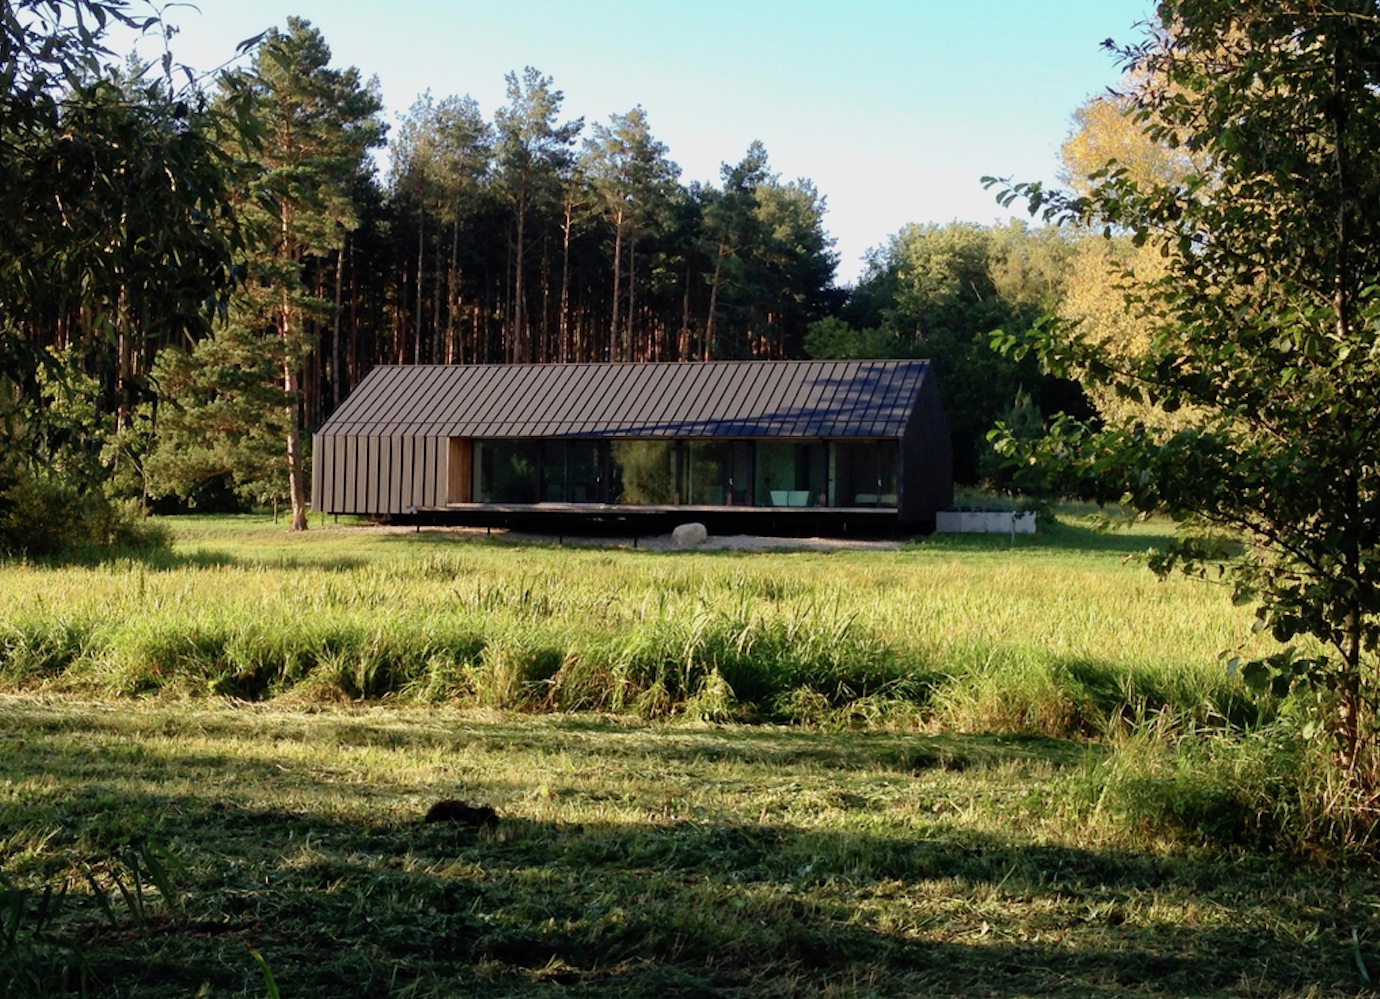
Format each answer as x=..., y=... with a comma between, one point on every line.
x=318, y=462
x=372, y=473
x=339, y=448
x=399, y=478
x=415, y=448
x=458, y=467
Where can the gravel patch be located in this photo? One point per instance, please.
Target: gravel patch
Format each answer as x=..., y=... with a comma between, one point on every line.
x=658, y=542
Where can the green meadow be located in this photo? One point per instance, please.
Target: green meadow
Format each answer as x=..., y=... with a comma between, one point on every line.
x=961, y=767
x=1057, y=635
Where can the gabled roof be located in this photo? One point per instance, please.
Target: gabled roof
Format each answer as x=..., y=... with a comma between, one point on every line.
x=689, y=399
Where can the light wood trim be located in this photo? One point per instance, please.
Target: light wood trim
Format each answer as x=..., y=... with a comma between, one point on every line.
x=458, y=470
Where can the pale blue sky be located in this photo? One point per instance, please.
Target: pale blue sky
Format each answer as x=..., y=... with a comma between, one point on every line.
x=894, y=109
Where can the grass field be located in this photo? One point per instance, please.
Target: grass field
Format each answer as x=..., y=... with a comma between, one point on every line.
x=631, y=859
x=1053, y=636
x=941, y=790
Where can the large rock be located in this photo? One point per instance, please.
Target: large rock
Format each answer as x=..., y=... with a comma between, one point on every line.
x=689, y=535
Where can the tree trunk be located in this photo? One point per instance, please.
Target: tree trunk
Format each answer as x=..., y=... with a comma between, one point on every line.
x=454, y=344
x=335, y=324
x=297, y=493
x=683, y=346
x=421, y=230
x=630, y=345
x=437, y=328
x=564, y=322
x=615, y=351
x=708, y=345
x=516, y=351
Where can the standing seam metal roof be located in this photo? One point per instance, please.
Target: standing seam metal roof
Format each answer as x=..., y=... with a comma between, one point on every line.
x=808, y=399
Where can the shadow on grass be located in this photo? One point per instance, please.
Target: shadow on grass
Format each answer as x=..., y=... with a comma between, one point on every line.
x=152, y=559
x=1068, y=535
x=590, y=738
x=352, y=908
x=346, y=892
x=162, y=560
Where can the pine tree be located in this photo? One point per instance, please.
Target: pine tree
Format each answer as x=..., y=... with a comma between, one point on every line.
x=532, y=154
x=634, y=180
x=317, y=125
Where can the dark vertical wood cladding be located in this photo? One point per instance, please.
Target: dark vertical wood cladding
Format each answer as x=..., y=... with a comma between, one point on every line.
x=397, y=472
x=390, y=447
x=416, y=449
x=338, y=449
x=927, y=461
x=373, y=474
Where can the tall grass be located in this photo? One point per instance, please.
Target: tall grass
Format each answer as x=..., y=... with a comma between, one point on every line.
x=1058, y=636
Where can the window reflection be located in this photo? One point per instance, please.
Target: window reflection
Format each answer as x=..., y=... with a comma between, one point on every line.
x=643, y=472
x=506, y=471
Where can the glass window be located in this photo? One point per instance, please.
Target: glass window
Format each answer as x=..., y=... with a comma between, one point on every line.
x=584, y=473
x=643, y=472
x=790, y=474
x=571, y=472
x=553, y=471
x=709, y=473
x=506, y=471
x=864, y=473
x=719, y=473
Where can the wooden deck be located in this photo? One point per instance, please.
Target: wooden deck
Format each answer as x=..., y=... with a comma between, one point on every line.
x=642, y=521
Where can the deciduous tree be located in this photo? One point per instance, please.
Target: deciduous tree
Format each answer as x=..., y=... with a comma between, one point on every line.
x=116, y=236
x=1265, y=321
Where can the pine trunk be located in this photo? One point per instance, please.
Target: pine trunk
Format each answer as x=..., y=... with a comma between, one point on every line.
x=615, y=353
x=335, y=324
x=714, y=297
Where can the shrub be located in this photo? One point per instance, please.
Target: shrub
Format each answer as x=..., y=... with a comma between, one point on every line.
x=43, y=516
x=1266, y=789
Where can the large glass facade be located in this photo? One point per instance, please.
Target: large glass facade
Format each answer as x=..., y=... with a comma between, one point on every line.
x=694, y=473
x=571, y=472
x=584, y=472
x=863, y=473
x=790, y=474
x=643, y=473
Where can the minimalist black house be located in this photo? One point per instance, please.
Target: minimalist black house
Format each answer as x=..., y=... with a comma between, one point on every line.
x=763, y=445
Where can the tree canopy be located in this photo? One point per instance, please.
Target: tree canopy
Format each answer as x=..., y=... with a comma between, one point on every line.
x=117, y=236
x=939, y=292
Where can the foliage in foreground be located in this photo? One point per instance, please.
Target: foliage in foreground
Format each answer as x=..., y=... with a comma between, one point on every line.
x=1263, y=322
x=634, y=860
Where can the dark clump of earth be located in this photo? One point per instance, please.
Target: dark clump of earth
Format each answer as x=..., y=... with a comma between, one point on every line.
x=461, y=813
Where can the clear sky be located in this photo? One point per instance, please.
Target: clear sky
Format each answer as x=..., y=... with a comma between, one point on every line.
x=894, y=108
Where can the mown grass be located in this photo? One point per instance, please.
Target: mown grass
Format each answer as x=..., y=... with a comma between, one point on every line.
x=632, y=859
